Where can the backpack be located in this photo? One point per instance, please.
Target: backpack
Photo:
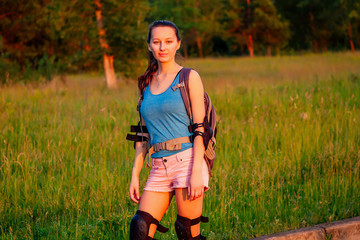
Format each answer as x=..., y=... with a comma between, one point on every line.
x=209, y=124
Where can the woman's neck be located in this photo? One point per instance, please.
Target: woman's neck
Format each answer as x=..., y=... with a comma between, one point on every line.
x=168, y=67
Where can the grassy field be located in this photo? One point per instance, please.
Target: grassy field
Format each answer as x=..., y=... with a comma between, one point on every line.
x=288, y=151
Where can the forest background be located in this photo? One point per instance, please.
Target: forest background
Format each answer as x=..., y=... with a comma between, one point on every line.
x=288, y=144
x=46, y=38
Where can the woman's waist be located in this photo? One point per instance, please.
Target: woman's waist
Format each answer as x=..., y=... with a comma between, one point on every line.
x=174, y=157
x=166, y=153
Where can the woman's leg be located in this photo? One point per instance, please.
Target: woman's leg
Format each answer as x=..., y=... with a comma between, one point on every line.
x=156, y=204
x=189, y=209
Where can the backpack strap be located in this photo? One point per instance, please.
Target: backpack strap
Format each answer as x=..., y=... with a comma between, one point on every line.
x=184, y=89
x=172, y=144
x=185, y=95
x=138, y=129
x=141, y=127
x=135, y=137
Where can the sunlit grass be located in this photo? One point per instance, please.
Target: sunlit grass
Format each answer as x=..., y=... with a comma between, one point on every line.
x=288, y=151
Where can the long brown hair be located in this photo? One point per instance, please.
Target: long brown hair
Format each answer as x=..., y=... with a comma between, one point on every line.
x=144, y=80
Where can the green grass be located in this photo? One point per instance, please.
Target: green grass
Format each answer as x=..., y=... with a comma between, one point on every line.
x=288, y=151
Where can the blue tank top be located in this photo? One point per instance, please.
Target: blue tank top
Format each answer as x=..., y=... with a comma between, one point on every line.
x=165, y=117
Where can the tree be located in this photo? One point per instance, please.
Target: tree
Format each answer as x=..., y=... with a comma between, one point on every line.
x=324, y=18
x=22, y=39
x=197, y=20
x=107, y=57
x=272, y=29
x=351, y=24
x=50, y=37
x=126, y=31
x=237, y=24
x=73, y=35
x=255, y=23
x=299, y=23
x=59, y=36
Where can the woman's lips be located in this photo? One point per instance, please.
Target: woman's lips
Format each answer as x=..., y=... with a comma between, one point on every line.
x=162, y=54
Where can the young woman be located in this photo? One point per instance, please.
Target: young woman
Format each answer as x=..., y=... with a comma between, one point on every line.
x=181, y=172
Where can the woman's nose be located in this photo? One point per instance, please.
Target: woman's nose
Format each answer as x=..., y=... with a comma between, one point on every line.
x=161, y=47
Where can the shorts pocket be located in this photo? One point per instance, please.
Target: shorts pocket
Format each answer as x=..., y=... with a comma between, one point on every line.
x=184, y=158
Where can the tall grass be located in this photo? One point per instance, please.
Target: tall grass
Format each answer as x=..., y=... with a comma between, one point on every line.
x=288, y=151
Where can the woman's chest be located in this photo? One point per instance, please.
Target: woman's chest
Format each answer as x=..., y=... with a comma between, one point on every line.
x=167, y=103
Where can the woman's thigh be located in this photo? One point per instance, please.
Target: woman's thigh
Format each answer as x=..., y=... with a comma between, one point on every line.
x=185, y=207
x=156, y=204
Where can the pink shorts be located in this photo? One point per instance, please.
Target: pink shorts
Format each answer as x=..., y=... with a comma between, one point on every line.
x=168, y=173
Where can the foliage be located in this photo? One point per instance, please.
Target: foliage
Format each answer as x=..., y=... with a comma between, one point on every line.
x=320, y=25
x=260, y=20
x=63, y=33
x=351, y=15
x=126, y=34
x=323, y=21
x=273, y=30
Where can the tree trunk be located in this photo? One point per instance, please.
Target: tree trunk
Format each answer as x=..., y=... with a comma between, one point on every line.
x=268, y=45
x=109, y=71
x=185, y=48
x=325, y=46
x=108, y=59
x=250, y=45
x=352, y=46
x=315, y=46
x=249, y=41
x=269, y=50
x=197, y=32
x=199, y=45
x=313, y=30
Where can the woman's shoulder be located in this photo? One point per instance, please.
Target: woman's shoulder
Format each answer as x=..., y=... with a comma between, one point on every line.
x=194, y=77
x=195, y=83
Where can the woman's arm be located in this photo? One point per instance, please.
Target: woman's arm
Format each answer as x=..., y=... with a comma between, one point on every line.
x=140, y=154
x=196, y=91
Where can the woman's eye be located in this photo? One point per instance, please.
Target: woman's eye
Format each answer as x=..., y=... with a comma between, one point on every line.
x=168, y=42
x=156, y=42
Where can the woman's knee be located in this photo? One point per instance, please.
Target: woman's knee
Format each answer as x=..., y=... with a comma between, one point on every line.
x=140, y=225
x=184, y=227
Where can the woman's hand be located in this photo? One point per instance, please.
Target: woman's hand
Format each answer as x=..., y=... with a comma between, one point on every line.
x=196, y=188
x=134, y=189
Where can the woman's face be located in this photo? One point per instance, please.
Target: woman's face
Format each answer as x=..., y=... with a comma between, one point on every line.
x=163, y=43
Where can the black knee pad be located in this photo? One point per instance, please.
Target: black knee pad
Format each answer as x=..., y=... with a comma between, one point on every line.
x=183, y=227
x=140, y=224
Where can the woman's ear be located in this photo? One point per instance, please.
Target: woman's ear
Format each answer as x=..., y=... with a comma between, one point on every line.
x=149, y=48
